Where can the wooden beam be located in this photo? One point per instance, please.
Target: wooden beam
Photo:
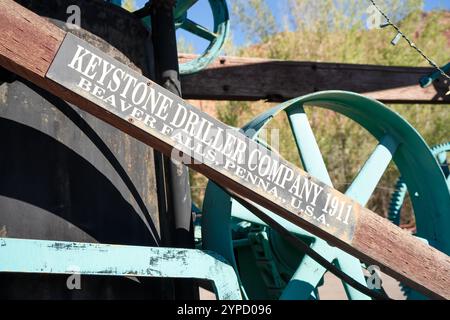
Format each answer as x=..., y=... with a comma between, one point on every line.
x=235, y=78
x=74, y=70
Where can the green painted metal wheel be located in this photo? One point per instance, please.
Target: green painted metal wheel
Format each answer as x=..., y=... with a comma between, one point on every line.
x=216, y=37
x=270, y=268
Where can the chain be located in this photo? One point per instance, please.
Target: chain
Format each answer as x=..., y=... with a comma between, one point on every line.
x=410, y=43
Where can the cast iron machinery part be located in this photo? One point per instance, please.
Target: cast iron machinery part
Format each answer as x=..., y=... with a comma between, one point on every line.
x=216, y=37
x=399, y=194
x=395, y=136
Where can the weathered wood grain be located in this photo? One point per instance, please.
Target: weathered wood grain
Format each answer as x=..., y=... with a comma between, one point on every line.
x=237, y=78
x=411, y=255
x=28, y=45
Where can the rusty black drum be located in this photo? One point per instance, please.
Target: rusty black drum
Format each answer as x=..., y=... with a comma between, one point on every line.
x=65, y=175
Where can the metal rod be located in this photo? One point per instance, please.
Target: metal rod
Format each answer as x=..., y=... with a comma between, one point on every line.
x=177, y=175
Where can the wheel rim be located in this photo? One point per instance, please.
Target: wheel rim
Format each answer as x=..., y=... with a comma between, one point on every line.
x=395, y=136
x=397, y=198
x=216, y=38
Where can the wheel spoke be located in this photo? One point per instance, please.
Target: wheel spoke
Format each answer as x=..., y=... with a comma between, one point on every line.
x=351, y=266
x=307, y=145
x=308, y=274
x=309, y=269
x=370, y=174
x=198, y=30
x=182, y=7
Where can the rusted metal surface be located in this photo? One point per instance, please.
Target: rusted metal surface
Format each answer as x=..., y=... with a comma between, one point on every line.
x=65, y=174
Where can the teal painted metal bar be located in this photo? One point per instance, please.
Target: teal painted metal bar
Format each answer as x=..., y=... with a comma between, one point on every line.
x=370, y=174
x=315, y=165
x=198, y=30
x=351, y=266
x=306, y=143
x=309, y=272
x=182, y=7
x=59, y=257
x=219, y=238
x=308, y=275
x=360, y=190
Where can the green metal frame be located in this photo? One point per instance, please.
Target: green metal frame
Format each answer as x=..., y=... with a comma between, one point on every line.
x=216, y=37
x=59, y=257
x=398, y=140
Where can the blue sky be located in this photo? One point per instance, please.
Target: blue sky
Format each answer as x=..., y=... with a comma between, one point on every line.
x=201, y=13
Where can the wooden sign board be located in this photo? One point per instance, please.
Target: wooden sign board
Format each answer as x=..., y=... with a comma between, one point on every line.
x=82, y=68
x=81, y=74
